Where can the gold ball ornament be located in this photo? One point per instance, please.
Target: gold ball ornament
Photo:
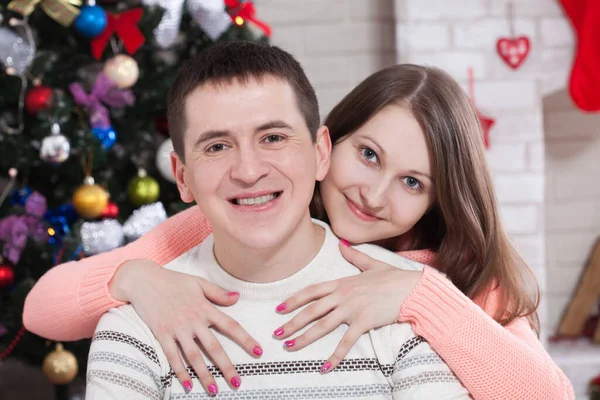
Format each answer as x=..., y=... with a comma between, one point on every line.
x=143, y=189
x=90, y=200
x=60, y=366
x=122, y=70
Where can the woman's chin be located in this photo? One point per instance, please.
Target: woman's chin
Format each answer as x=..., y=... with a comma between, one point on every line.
x=353, y=234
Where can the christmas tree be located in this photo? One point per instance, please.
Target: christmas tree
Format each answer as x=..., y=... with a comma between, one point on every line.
x=83, y=135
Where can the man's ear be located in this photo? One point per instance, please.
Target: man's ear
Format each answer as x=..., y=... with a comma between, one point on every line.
x=323, y=149
x=178, y=167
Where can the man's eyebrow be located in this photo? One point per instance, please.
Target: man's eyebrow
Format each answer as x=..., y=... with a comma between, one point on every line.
x=273, y=125
x=209, y=135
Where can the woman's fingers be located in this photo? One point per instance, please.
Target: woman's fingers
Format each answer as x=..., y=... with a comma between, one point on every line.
x=215, y=351
x=306, y=295
x=354, y=332
x=325, y=325
x=169, y=346
x=234, y=330
x=194, y=356
x=311, y=313
x=359, y=259
x=217, y=294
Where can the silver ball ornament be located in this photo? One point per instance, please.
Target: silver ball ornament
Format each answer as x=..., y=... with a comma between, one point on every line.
x=163, y=160
x=56, y=147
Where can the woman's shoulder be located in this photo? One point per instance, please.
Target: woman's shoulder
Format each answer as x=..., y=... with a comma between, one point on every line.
x=489, y=299
x=425, y=256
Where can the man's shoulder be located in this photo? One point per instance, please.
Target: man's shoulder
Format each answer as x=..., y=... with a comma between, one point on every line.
x=417, y=371
x=122, y=331
x=121, y=323
x=189, y=261
x=125, y=360
x=389, y=257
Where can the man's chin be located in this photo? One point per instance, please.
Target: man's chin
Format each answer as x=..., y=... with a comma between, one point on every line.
x=259, y=239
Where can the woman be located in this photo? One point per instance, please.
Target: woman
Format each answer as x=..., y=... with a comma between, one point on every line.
x=408, y=172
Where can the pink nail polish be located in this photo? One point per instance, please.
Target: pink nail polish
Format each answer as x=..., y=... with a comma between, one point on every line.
x=278, y=332
x=281, y=307
x=257, y=350
x=187, y=386
x=213, y=390
x=290, y=343
x=232, y=294
x=325, y=367
x=345, y=242
x=236, y=382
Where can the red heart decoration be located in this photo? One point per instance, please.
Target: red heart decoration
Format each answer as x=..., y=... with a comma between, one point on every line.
x=513, y=50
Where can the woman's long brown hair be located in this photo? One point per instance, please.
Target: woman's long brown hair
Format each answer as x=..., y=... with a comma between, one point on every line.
x=463, y=226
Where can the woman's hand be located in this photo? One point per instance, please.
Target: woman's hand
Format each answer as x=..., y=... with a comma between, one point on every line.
x=179, y=310
x=366, y=301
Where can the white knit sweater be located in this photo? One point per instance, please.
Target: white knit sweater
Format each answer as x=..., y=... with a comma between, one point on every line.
x=127, y=362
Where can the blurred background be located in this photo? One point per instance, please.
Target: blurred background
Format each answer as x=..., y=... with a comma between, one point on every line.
x=515, y=59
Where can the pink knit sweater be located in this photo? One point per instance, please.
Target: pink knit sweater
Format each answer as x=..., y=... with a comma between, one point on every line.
x=493, y=362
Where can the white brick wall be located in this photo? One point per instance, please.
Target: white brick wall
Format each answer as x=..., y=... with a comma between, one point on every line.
x=520, y=188
x=513, y=95
x=556, y=32
x=526, y=8
x=480, y=33
x=508, y=157
x=432, y=10
x=425, y=35
x=456, y=63
x=338, y=42
x=522, y=219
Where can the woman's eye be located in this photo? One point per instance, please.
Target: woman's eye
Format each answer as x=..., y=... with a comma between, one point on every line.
x=368, y=154
x=412, y=183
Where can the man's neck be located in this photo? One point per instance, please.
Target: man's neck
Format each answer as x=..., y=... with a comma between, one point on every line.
x=270, y=265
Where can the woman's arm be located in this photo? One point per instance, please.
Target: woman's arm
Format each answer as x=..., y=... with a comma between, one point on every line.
x=492, y=361
x=68, y=300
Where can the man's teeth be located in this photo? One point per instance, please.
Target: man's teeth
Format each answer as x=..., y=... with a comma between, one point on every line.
x=256, y=201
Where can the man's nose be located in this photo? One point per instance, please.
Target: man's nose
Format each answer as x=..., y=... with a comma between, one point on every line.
x=249, y=166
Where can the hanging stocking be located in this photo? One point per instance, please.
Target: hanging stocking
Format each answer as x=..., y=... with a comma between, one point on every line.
x=584, y=84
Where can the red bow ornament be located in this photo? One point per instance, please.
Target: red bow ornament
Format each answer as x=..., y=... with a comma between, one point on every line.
x=242, y=11
x=124, y=25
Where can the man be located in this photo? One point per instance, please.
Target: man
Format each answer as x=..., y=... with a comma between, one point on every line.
x=248, y=148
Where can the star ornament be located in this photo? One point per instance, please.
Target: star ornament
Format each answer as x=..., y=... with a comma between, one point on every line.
x=486, y=125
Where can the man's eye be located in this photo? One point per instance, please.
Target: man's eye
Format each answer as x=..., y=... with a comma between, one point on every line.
x=217, y=147
x=273, y=138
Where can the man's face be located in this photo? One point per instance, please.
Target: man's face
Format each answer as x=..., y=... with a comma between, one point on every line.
x=250, y=163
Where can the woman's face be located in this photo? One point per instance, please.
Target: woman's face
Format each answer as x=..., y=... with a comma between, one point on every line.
x=379, y=184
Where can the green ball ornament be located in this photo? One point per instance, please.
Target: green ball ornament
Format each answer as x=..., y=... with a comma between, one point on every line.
x=143, y=189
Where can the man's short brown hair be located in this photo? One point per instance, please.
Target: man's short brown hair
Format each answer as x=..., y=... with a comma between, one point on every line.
x=241, y=60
